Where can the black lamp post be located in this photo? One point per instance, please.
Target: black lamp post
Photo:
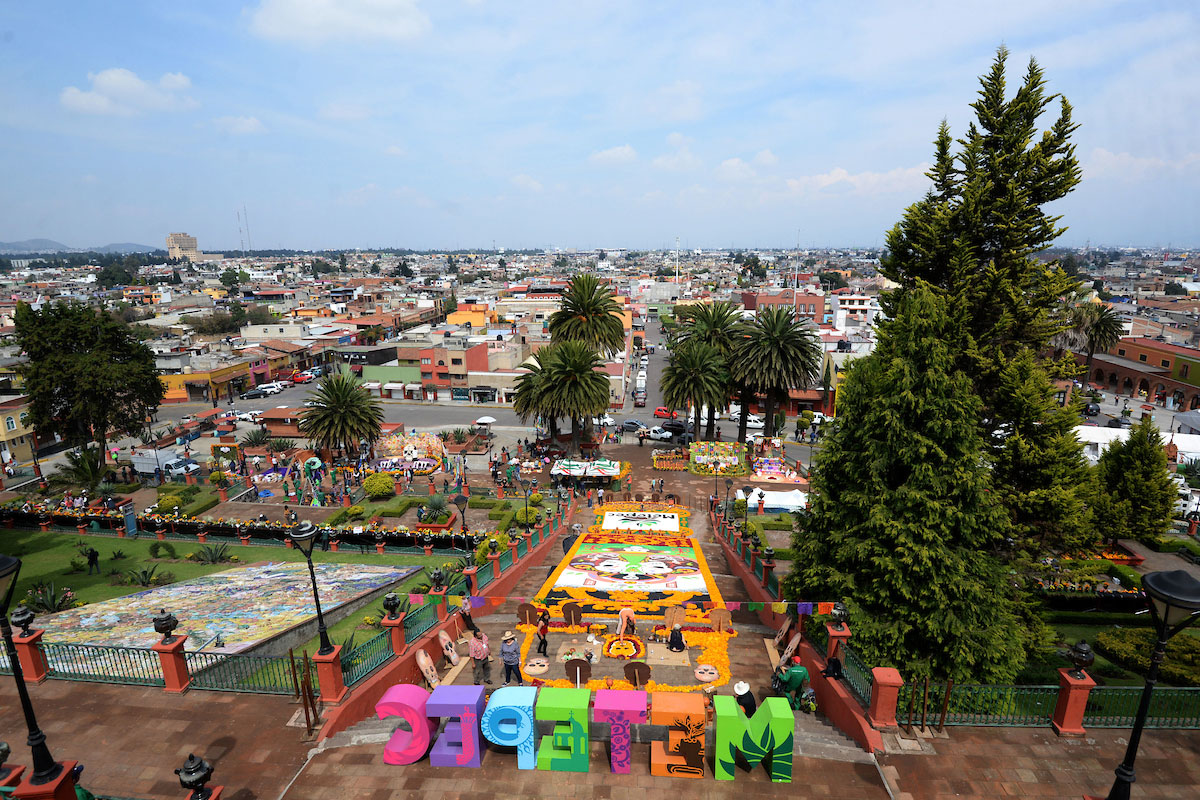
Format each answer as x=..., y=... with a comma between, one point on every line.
x=194, y=773
x=391, y=604
x=839, y=615
x=728, y=486
x=461, y=501
x=1082, y=657
x=1174, y=601
x=525, y=488
x=166, y=623
x=45, y=768
x=304, y=537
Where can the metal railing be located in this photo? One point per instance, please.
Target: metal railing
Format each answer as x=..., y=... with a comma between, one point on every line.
x=242, y=673
x=505, y=560
x=758, y=570
x=102, y=663
x=856, y=675
x=364, y=659
x=419, y=620
x=773, y=584
x=484, y=576
x=985, y=706
x=1116, y=707
x=521, y=551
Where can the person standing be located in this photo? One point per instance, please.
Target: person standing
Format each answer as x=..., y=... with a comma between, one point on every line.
x=510, y=654
x=745, y=698
x=93, y=557
x=543, y=628
x=601, y=495
x=480, y=653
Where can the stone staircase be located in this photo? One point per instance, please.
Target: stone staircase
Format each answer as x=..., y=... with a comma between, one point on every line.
x=817, y=737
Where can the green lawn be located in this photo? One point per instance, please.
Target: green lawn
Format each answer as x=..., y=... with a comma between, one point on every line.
x=47, y=556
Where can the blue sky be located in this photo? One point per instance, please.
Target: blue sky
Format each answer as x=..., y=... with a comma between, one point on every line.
x=367, y=123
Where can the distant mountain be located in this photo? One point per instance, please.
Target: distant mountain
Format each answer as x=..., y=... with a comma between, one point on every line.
x=125, y=247
x=51, y=246
x=33, y=246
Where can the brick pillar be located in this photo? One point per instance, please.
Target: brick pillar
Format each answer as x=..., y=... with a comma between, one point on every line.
x=500, y=492
x=329, y=676
x=223, y=493
x=346, y=500
x=190, y=479
x=333, y=545
x=248, y=483
x=466, y=489
x=378, y=547
x=495, y=559
x=245, y=539
x=432, y=489
x=885, y=692
x=768, y=567
x=428, y=549
x=30, y=656
x=44, y=525
x=836, y=638
x=396, y=628
x=1192, y=527
x=762, y=506
x=529, y=540
x=471, y=574
x=1072, y=699
x=174, y=664
x=14, y=775
x=202, y=536
x=442, y=611
x=512, y=547
x=61, y=788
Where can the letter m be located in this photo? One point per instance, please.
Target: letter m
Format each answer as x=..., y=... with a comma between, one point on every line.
x=766, y=735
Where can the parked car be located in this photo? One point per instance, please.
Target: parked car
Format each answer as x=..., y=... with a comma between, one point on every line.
x=632, y=425
x=304, y=377
x=180, y=467
x=271, y=388
x=753, y=421
x=661, y=434
x=665, y=413
x=248, y=416
x=1091, y=409
x=603, y=421
x=1120, y=422
x=255, y=393
x=677, y=426
x=640, y=402
x=311, y=403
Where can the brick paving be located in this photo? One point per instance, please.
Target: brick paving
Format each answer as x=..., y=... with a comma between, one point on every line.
x=979, y=763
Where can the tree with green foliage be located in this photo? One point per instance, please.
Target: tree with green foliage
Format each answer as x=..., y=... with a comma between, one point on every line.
x=1136, y=495
x=576, y=386
x=779, y=352
x=532, y=400
x=86, y=467
x=230, y=279
x=85, y=373
x=903, y=519
x=975, y=234
x=115, y=275
x=1175, y=289
x=590, y=314
x=718, y=325
x=344, y=414
x=450, y=304
x=1096, y=327
x=693, y=377
x=1039, y=472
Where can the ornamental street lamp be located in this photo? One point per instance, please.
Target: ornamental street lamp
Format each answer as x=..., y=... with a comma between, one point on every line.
x=304, y=538
x=1082, y=657
x=194, y=773
x=728, y=486
x=525, y=487
x=166, y=623
x=461, y=501
x=391, y=604
x=45, y=768
x=1174, y=601
x=839, y=615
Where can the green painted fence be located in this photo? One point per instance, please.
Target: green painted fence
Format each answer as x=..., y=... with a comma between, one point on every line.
x=986, y=706
x=243, y=673
x=418, y=620
x=856, y=675
x=103, y=663
x=366, y=658
x=1116, y=707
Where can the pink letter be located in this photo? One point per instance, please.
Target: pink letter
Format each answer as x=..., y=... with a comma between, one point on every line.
x=408, y=701
x=619, y=709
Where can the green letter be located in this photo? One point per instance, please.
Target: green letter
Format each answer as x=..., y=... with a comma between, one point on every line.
x=567, y=749
x=767, y=733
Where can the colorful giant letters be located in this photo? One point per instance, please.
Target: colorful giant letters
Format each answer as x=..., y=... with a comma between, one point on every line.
x=509, y=720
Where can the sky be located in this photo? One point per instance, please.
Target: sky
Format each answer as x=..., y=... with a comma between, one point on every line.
x=468, y=123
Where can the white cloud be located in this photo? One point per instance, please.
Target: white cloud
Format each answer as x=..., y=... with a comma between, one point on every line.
x=394, y=150
x=317, y=21
x=360, y=196
x=621, y=154
x=908, y=180
x=734, y=169
x=121, y=92
x=239, y=126
x=523, y=181
x=345, y=112
x=765, y=158
x=1102, y=163
x=677, y=102
x=681, y=160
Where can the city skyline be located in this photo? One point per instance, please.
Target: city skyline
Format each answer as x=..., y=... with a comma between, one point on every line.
x=446, y=126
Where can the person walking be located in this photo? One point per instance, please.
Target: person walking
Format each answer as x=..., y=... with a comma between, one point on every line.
x=510, y=654
x=600, y=494
x=543, y=628
x=480, y=653
x=93, y=557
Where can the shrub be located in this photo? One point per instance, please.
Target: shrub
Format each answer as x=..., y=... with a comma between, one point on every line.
x=168, y=502
x=355, y=512
x=482, y=550
x=142, y=577
x=117, y=555
x=1130, y=648
x=42, y=596
x=162, y=550
x=379, y=486
x=163, y=578
x=200, y=506
x=739, y=509
x=526, y=517
x=1128, y=575
x=218, y=479
x=279, y=445
x=213, y=554
x=536, y=499
x=460, y=436
x=436, y=504
x=483, y=502
x=77, y=565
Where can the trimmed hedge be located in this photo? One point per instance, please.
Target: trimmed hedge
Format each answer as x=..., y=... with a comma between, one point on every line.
x=1128, y=575
x=202, y=505
x=1126, y=620
x=1130, y=648
x=1164, y=544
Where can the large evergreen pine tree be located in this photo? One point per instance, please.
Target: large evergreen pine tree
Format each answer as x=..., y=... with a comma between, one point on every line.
x=903, y=524
x=1136, y=496
x=1038, y=468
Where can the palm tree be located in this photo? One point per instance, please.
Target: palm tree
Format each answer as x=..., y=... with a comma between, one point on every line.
x=1098, y=327
x=589, y=314
x=256, y=438
x=85, y=467
x=532, y=398
x=694, y=377
x=718, y=325
x=576, y=387
x=778, y=353
x=344, y=415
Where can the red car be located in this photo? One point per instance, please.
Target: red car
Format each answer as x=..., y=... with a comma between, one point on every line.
x=665, y=413
x=303, y=377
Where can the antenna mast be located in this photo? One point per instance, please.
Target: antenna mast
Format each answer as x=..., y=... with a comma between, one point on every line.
x=246, y=216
